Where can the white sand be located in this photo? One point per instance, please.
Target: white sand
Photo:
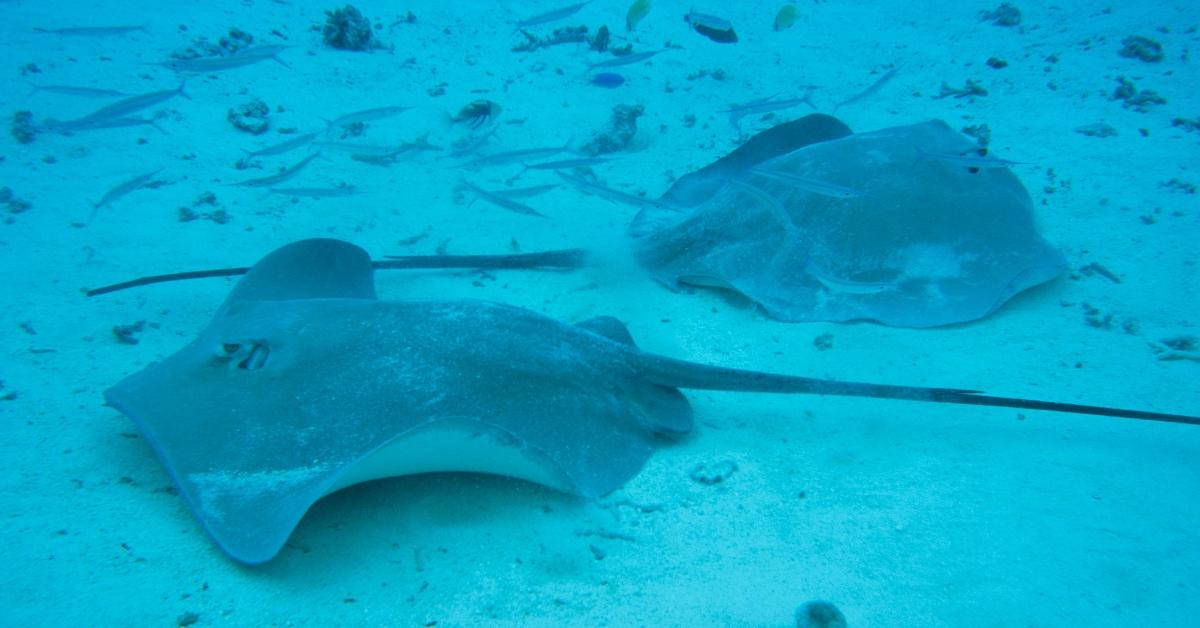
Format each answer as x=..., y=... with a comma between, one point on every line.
x=912, y=514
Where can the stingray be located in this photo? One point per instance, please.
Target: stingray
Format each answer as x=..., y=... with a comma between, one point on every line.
x=907, y=226
x=304, y=382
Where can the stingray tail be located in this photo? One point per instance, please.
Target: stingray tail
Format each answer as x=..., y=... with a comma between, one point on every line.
x=681, y=374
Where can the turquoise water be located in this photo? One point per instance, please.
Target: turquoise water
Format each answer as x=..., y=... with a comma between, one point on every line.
x=193, y=136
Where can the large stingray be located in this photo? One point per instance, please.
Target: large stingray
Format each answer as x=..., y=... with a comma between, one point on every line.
x=304, y=383
x=908, y=226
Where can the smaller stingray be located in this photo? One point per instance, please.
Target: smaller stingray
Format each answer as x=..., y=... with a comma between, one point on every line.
x=304, y=383
x=816, y=223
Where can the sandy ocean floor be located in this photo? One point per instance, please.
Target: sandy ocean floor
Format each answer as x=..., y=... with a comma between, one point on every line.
x=900, y=514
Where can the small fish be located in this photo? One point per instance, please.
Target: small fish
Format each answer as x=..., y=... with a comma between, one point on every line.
x=979, y=160
x=121, y=190
x=513, y=156
x=285, y=146
x=265, y=51
x=240, y=59
x=870, y=91
x=380, y=155
x=71, y=90
x=824, y=188
x=352, y=148
x=341, y=190
x=605, y=192
x=526, y=192
x=712, y=27
x=366, y=115
x=69, y=127
x=608, y=80
x=500, y=200
x=122, y=108
x=280, y=177
x=550, y=16
x=564, y=164
x=92, y=31
x=636, y=12
x=848, y=286
x=776, y=210
x=201, y=65
x=1096, y=269
x=625, y=60
x=765, y=105
x=785, y=18
x=413, y=239
x=384, y=155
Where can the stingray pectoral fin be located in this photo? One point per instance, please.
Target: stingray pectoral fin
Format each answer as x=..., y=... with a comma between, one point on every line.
x=706, y=281
x=318, y=268
x=664, y=410
x=609, y=327
x=460, y=446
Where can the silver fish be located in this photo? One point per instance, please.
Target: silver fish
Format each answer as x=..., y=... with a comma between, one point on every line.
x=240, y=59
x=72, y=90
x=120, y=190
x=967, y=161
x=69, y=127
x=766, y=105
x=122, y=108
x=91, y=31
x=352, y=148
x=341, y=190
x=816, y=186
x=526, y=192
x=284, y=146
x=848, y=286
x=596, y=189
x=271, y=180
x=550, y=16
x=869, y=91
x=626, y=60
x=513, y=156
x=500, y=201
x=564, y=164
x=366, y=115
x=776, y=210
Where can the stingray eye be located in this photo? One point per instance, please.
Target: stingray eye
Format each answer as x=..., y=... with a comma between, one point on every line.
x=256, y=357
x=247, y=355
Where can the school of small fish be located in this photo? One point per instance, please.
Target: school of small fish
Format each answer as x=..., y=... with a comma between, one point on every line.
x=341, y=133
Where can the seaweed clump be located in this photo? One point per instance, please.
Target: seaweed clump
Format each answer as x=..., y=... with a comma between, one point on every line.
x=1188, y=124
x=1003, y=15
x=252, y=117
x=619, y=133
x=195, y=212
x=22, y=127
x=348, y=29
x=1134, y=98
x=232, y=43
x=13, y=204
x=1143, y=48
